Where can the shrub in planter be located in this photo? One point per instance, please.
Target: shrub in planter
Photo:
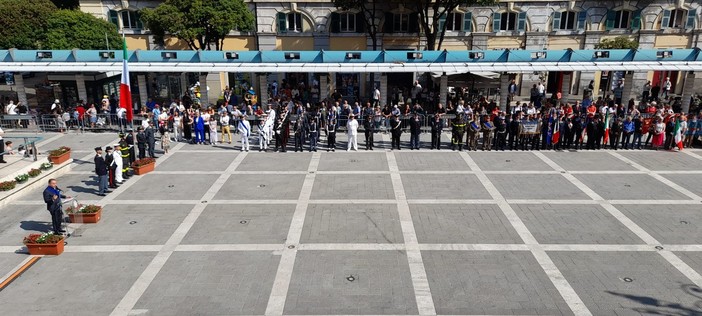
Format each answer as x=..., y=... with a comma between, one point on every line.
x=44, y=244
x=143, y=166
x=34, y=173
x=7, y=185
x=60, y=155
x=46, y=166
x=84, y=213
x=22, y=178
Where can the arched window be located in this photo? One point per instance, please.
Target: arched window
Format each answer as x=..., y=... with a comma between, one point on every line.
x=126, y=19
x=508, y=21
x=623, y=19
x=347, y=22
x=457, y=21
x=290, y=22
x=679, y=19
x=569, y=20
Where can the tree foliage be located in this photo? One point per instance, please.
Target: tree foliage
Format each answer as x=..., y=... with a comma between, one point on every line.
x=199, y=23
x=431, y=10
x=67, y=4
x=68, y=29
x=619, y=42
x=23, y=22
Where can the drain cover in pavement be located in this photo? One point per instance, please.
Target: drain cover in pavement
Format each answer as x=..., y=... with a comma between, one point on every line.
x=350, y=278
x=627, y=280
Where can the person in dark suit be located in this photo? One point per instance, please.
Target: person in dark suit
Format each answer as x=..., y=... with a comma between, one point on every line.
x=111, y=167
x=52, y=198
x=101, y=172
x=141, y=142
x=151, y=138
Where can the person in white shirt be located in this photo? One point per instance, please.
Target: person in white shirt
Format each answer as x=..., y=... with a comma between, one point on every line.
x=117, y=156
x=542, y=89
x=263, y=135
x=352, y=132
x=245, y=132
x=376, y=97
x=214, y=139
x=226, y=131
x=11, y=108
x=177, y=126
x=268, y=126
x=121, y=118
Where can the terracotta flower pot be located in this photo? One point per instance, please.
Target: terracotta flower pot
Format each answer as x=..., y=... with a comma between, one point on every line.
x=86, y=218
x=46, y=249
x=60, y=159
x=144, y=169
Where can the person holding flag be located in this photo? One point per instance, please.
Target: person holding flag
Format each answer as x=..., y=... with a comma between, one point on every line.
x=680, y=127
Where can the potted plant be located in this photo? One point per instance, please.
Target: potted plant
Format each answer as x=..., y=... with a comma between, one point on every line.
x=34, y=173
x=46, y=166
x=22, y=178
x=143, y=166
x=61, y=155
x=44, y=244
x=84, y=213
x=7, y=185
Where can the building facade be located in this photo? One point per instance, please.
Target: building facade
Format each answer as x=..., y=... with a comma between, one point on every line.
x=536, y=24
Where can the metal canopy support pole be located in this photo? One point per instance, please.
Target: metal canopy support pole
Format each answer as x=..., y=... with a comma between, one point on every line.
x=504, y=91
x=443, y=89
x=263, y=90
x=688, y=90
x=80, y=86
x=383, y=89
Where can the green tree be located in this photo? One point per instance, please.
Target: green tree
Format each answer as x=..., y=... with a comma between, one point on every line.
x=67, y=4
x=619, y=42
x=23, y=22
x=430, y=12
x=68, y=29
x=199, y=23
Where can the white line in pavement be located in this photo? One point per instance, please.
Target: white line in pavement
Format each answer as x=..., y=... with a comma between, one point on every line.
x=279, y=292
x=149, y=274
x=420, y=282
x=559, y=281
x=693, y=154
x=685, y=269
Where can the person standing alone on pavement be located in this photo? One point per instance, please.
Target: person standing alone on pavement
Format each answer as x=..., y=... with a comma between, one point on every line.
x=352, y=131
x=52, y=198
x=101, y=171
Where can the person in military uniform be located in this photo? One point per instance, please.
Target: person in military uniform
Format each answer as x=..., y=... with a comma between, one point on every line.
x=514, y=132
x=500, y=132
x=396, y=131
x=458, y=127
x=415, y=130
x=488, y=129
x=368, y=129
x=111, y=167
x=297, y=133
x=437, y=125
x=473, y=133
x=331, y=133
x=129, y=138
x=141, y=142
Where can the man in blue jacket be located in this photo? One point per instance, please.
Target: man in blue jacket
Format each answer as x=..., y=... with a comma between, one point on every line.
x=52, y=198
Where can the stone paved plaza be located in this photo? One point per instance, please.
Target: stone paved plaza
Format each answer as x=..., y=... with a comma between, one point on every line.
x=216, y=231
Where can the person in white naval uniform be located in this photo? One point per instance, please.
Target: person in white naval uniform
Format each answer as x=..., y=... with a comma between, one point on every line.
x=352, y=132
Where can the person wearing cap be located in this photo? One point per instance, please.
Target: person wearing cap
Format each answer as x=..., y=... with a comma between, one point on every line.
x=141, y=142
x=352, y=132
x=415, y=129
x=100, y=171
x=111, y=167
x=368, y=130
x=395, y=131
x=119, y=164
x=437, y=126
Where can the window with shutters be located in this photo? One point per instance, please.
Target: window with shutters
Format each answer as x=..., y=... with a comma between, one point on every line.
x=674, y=18
x=294, y=22
x=401, y=22
x=347, y=22
x=622, y=19
x=509, y=21
x=454, y=22
x=131, y=20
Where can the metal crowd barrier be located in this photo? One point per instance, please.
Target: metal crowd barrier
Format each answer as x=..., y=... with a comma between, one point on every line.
x=29, y=144
x=19, y=121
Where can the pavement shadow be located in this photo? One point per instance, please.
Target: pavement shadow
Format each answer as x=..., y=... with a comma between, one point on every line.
x=656, y=306
x=36, y=226
x=90, y=186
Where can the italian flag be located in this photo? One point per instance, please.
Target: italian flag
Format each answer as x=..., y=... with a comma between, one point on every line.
x=125, y=94
x=606, y=133
x=556, y=130
x=678, y=134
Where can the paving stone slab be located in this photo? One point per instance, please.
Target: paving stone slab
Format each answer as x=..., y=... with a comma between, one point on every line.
x=444, y=186
x=669, y=224
x=663, y=160
x=20, y=220
x=574, y=224
x=353, y=186
x=211, y=283
x=381, y=284
x=588, y=161
x=600, y=279
x=630, y=187
x=74, y=284
x=9, y=261
x=168, y=187
x=536, y=186
x=352, y=223
x=691, y=182
x=268, y=161
x=462, y=224
x=491, y=283
x=509, y=161
x=343, y=161
x=132, y=224
x=242, y=224
x=198, y=161
x=261, y=187
x=429, y=161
